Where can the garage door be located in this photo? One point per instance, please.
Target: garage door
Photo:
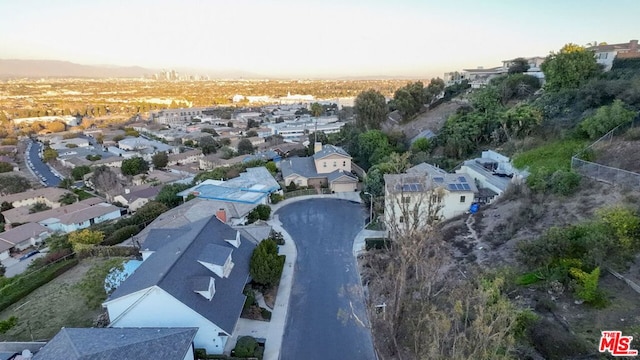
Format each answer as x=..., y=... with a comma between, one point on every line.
x=343, y=187
x=4, y=255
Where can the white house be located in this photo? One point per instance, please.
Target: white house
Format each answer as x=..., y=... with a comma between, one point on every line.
x=606, y=53
x=426, y=193
x=83, y=218
x=21, y=237
x=198, y=271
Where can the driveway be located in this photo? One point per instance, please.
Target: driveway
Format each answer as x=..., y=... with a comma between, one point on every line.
x=326, y=317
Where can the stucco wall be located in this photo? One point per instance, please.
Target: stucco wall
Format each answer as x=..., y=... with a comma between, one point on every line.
x=332, y=163
x=151, y=311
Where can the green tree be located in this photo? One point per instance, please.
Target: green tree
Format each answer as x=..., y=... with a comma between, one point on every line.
x=134, y=166
x=260, y=212
x=266, y=265
x=11, y=184
x=371, y=109
x=68, y=199
x=569, y=68
x=373, y=146
x=66, y=183
x=421, y=144
x=79, y=172
x=410, y=98
x=245, y=147
x=435, y=87
x=520, y=120
x=518, y=66
x=160, y=160
x=5, y=167
x=85, y=239
x=38, y=207
x=49, y=154
x=208, y=145
x=607, y=118
x=168, y=194
x=271, y=166
x=316, y=109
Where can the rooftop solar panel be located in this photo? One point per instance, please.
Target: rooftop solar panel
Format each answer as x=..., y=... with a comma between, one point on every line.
x=438, y=179
x=459, y=187
x=466, y=186
x=451, y=187
x=462, y=179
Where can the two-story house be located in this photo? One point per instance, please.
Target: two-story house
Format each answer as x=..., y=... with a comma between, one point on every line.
x=329, y=166
x=426, y=193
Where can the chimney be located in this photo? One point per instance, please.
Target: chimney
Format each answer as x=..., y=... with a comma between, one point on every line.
x=317, y=147
x=633, y=45
x=222, y=215
x=126, y=191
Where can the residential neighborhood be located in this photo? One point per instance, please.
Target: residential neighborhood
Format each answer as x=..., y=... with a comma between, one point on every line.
x=488, y=214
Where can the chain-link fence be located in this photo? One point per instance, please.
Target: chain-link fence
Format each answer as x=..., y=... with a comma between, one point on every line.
x=599, y=172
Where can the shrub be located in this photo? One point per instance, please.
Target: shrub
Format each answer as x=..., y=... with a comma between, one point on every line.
x=587, y=287
x=261, y=212
x=632, y=134
x=266, y=314
x=276, y=198
x=6, y=325
x=266, y=265
x=121, y=235
x=246, y=347
x=564, y=182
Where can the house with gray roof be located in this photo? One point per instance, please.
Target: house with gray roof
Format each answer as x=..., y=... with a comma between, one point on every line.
x=192, y=275
x=166, y=343
x=329, y=166
x=426, y=192
x=236, y=197
x=21, y=237
x=493, y=172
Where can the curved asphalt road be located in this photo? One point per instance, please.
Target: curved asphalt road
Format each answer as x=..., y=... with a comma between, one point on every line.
x=326, y=317
x=38, y=165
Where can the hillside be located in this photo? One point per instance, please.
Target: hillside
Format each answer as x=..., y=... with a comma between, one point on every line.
x=432, y=119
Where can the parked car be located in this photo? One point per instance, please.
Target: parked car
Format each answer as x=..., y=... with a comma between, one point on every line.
x=29, y=254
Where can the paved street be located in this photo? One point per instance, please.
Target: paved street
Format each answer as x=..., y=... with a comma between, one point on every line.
x=39, y=167
x=326, y=317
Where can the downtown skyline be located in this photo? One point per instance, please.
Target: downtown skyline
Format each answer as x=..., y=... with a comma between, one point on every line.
x=307, y=39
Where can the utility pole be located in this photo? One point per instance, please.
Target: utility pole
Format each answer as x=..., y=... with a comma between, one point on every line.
x=370, y=207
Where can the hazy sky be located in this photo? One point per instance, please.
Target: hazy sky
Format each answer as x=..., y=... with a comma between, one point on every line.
x=313, y=38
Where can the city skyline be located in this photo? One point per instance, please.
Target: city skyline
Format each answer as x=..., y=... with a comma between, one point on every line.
x=310, y=39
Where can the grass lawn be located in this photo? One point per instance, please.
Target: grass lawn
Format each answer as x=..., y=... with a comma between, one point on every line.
x=552, y=156
x=59, y=303
x=82, y=195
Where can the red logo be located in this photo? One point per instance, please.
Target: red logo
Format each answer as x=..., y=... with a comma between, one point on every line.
x=616, y=344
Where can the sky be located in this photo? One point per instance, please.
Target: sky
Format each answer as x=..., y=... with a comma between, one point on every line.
x=308, y=38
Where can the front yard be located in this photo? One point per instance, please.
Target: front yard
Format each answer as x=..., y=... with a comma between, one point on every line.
x=59, y=303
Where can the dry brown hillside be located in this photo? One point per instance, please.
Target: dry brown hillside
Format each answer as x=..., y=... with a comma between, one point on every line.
x=431, y=119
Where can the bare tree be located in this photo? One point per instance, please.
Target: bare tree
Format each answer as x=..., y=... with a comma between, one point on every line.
x=418, y=308
x=106, y=181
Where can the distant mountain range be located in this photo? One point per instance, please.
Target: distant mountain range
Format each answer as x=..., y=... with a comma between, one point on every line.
x=13, y=68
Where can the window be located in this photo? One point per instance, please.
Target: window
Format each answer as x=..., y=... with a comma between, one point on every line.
x=401, y=219
x=344, y=163
x=335, y=164
x=324, y=164
x=406, y=200
x=462, y=199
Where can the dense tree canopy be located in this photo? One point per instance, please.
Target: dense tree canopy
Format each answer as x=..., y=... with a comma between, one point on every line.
x=371, y=109
x=134, y=166
x=569, y=68
x=518, y=66
x=85, y=239
x=79, y=171
x=168, y=197
x=245, y=147
x=160, y=160
x=266, y=265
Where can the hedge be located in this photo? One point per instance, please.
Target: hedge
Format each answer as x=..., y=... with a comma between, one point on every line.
x=22, y=285
x=121, y=235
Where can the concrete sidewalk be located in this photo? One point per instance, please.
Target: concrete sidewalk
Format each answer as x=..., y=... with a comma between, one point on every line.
x=281, y=307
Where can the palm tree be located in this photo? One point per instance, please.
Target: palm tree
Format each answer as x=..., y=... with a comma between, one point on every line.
x=68, y=199
x=66, y=183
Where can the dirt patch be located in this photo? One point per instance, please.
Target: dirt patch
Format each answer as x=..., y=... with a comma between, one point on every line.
x=430, y=120
x=270, y=297
x=619, y=153
x=54, y=305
